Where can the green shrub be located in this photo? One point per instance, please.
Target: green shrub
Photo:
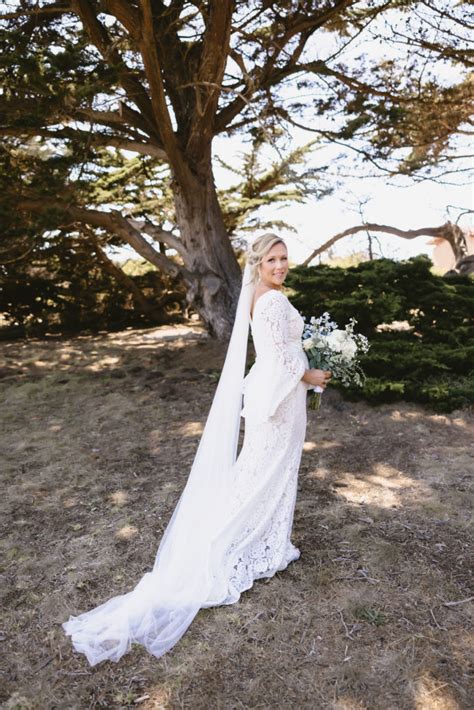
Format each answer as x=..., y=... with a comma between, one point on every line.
x=420, y=326
x=63, y=287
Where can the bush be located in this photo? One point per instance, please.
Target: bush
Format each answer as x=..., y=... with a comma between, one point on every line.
x=63, y=287
x=420, y=327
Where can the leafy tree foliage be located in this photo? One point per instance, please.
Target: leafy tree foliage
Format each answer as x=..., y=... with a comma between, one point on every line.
x=68, y=284
x=98, y=293
x=162, y=79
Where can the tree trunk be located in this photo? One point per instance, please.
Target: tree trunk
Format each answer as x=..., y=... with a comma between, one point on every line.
x=214, y=287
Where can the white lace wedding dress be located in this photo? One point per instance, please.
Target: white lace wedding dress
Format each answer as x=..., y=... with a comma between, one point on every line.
x=209, y=557
x=265, y=474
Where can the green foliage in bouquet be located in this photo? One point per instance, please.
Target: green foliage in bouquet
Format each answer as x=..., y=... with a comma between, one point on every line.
x=420, y=327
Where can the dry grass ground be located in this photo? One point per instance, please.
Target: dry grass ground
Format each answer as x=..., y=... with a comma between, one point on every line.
x=98, y=437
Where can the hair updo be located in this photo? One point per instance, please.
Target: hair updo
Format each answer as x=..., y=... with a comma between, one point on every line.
x=257, y=250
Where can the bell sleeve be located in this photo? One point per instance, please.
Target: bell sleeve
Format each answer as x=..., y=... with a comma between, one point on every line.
x=282, y=368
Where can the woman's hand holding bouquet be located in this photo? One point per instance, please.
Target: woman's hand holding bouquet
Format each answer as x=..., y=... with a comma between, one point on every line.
x=331, y=348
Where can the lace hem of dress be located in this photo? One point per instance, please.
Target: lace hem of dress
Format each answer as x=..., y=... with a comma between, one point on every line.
x=246, y=579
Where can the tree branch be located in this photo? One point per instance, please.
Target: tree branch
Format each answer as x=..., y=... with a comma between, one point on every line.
x=302, y=23
x=125, y=14
x=58, y=8
x=319, y=67
x=332, y=137
x=229, y=112
x=451, y=232
x=211, y=72
x=160, y=235
x=158, y=97
x=132, y=86
x=114, y=223
x=92, y=138
x=267, y=75
x=122, y=119
x=314, y=22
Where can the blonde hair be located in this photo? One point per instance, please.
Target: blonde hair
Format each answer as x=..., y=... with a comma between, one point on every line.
x=258, y=249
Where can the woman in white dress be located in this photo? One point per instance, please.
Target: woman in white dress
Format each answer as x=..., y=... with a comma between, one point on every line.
x=233, y=521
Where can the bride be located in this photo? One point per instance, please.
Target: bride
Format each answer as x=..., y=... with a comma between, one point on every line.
x=232, y=524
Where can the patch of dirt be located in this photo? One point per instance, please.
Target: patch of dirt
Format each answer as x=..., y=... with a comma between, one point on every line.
x=98, y=436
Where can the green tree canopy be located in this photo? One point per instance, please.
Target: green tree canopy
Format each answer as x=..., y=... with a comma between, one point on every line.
x=162, y=79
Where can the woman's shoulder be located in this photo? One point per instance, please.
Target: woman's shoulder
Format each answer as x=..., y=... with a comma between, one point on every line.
x=269, y=297
x=274, y=292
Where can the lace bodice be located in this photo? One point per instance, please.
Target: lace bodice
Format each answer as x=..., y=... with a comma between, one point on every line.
x=280, y=359
x=276, y=326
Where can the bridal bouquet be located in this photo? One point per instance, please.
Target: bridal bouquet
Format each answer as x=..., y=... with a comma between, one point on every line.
x=331, y=348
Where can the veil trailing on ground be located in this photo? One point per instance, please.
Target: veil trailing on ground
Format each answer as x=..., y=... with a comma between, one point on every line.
x=163, y=604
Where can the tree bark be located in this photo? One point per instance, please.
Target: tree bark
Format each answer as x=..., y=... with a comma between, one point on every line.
x=215, y=283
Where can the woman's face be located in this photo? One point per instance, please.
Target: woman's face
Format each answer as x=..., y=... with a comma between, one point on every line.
x=274, y=266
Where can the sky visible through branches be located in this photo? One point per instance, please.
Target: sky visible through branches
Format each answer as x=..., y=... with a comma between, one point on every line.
x=398, y=203
x=364, y=193
x=362, y=190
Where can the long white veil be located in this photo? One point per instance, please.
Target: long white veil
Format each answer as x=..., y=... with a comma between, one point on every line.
x=163, y=604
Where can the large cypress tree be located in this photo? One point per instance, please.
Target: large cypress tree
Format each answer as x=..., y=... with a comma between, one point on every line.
x=162, y=79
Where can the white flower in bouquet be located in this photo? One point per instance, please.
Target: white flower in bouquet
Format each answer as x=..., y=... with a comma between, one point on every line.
x=329, y=347
x=336, y=339
x=309, y=343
